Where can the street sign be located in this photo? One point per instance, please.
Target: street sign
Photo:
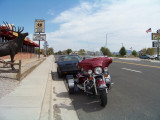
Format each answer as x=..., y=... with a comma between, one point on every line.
x=155, y=44
x=45, y=43
x=37, y=37
x=39, y=26
x=158, y=31
x=155, y=36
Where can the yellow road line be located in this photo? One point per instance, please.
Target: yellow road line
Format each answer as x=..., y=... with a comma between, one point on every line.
x=137, y=64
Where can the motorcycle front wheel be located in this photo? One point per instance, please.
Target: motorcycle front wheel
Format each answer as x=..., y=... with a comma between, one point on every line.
x=103, y=97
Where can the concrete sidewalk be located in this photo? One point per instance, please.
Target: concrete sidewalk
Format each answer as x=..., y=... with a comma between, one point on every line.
x=25, y=102
x=63, y=108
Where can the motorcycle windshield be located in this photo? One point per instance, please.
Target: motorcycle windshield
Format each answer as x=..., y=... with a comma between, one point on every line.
x=95, y=62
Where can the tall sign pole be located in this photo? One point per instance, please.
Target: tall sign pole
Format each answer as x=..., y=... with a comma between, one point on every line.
x=39, y=48
x=158, y=32
x=156, y=36
x=39, y=28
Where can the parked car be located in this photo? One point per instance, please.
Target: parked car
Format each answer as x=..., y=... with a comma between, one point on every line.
x=155, y=57
x=146, y=57
x=87, y=57
x=67, y=64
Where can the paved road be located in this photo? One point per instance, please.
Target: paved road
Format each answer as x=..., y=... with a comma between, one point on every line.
x=135, y=95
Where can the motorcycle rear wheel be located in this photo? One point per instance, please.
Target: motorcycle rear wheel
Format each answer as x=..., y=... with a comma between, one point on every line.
x=70, y=90
x=103, y=97
x=59, y=74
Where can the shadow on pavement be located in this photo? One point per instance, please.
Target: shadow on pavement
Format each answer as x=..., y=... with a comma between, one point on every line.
x=86, y=102
x=55, y=76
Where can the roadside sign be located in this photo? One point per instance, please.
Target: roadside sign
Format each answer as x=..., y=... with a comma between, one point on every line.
x=155, y=36
x=155, y=44
x=158, y=31
x=37, y=37
x=39, y=26
x=45, y=43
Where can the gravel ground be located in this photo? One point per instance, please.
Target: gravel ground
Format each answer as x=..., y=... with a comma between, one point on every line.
x=8, y=81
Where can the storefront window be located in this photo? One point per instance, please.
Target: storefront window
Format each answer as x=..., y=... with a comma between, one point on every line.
x=24, y=48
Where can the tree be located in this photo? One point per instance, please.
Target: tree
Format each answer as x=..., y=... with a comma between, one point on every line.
x=105, y=51
x=150, y=51
x=81, y=52
x=142, y=52
x=69, y=51
x=50, y=51
x=134, y=53
x=122, y=51
x=59, y=52
x=36, y=50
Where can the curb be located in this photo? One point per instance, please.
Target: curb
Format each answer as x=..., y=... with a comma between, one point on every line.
x=46, y=106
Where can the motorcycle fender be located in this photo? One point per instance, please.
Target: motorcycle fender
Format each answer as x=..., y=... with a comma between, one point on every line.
x=70, y=80
x=71, y=83
x=101, y=84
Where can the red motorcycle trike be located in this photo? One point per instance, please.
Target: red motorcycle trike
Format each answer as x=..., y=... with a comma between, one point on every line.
x=93, y=78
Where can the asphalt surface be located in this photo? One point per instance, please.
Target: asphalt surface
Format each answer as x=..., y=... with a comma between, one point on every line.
x=134, y=96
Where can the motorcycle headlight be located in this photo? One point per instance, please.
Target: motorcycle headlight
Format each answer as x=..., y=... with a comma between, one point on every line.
x=89, y=72
x=98, y=70
x=106, y=69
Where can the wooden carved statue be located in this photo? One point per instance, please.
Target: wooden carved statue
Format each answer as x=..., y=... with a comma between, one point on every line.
x=12, y=47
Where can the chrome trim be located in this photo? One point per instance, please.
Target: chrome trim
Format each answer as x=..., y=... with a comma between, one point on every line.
x=94, y=83
x=71, y=83
x=85, y=84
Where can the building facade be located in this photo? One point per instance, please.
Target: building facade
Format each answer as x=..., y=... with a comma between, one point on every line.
x=28, y=49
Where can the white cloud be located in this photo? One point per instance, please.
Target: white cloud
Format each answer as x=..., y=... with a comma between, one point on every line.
x=50, y=12
x=85, y=26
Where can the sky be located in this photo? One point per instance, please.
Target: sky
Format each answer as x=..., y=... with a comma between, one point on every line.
x=87, y=24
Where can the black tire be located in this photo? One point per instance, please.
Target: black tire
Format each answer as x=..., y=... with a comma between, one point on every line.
x=103, y=97
x=71, y=90
x=59, y=74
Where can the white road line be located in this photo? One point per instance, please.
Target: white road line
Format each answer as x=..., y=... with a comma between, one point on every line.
x=131, y=70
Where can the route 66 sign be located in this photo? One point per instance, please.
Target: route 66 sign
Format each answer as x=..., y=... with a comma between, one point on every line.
x=39, y=26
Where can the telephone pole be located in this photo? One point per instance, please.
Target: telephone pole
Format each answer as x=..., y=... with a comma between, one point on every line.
x=106, y=39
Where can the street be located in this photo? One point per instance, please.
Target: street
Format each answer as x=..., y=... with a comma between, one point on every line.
x=134, y=96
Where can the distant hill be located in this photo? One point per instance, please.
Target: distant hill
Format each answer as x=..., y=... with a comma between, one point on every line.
x=129, y=52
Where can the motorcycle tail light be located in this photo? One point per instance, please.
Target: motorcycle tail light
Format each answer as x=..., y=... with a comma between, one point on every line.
x=106, y=75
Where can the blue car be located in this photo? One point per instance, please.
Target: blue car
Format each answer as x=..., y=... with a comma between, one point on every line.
x=146, y=57
x=67, y=64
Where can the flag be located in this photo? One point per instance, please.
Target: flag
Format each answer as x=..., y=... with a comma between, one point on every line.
x=149, y=30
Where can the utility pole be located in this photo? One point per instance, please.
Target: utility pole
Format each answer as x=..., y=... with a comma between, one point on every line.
x=106, y=40
x=122, y=44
